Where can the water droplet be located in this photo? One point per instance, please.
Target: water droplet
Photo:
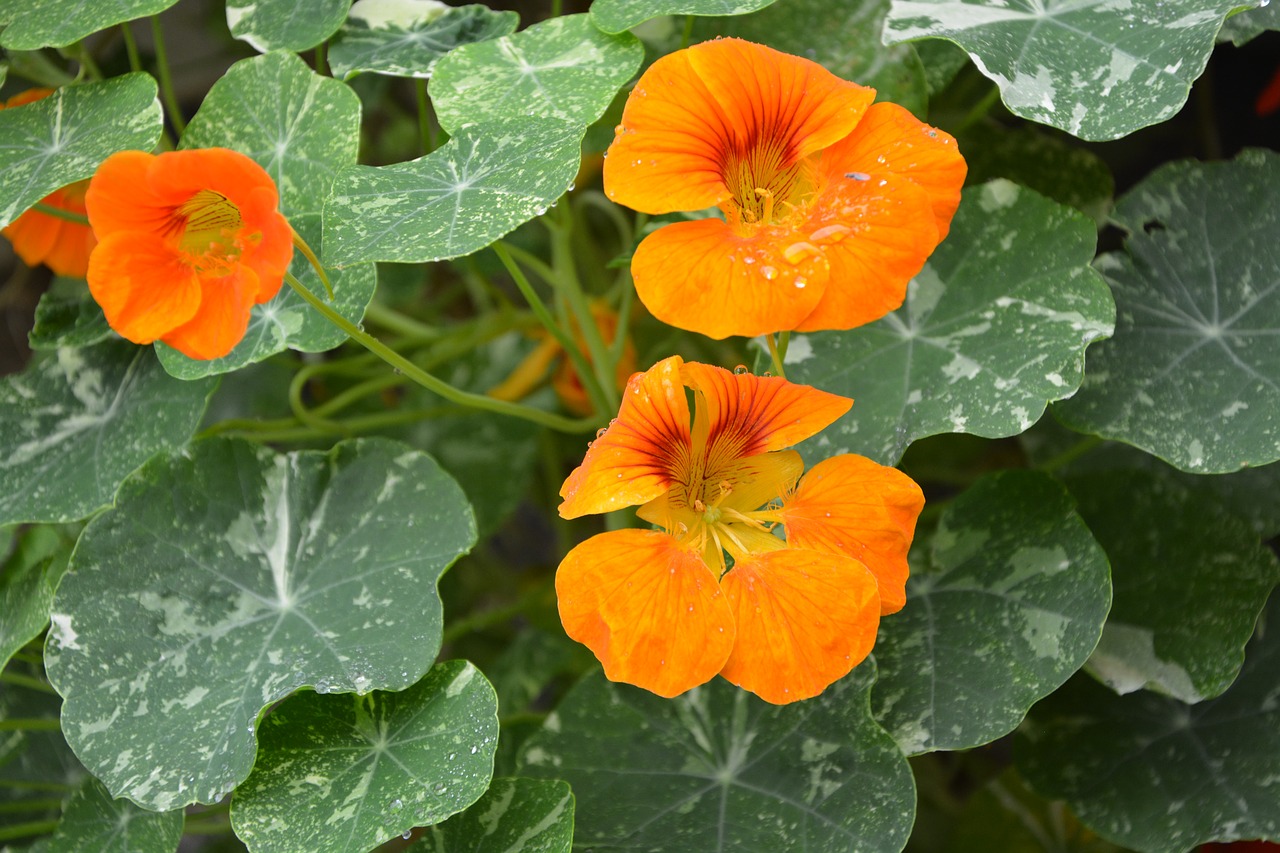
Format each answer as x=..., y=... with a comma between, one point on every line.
x=620, y=129
x=408, y=833
x=883, y=182
x=600, y=432
x=396, y=804
x=858, y=176
x=830, y=234
x=748, y=260
x=933, y=134
x=741, y=369
x=769, y=273
x=474, y=750
x=801, y=281
x=797, y=252
x=322, y=686
x=880, y=160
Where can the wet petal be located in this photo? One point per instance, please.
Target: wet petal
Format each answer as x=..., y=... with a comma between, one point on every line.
x=221, y=320
x=144, y=287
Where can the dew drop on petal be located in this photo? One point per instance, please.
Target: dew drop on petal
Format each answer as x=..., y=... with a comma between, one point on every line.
x=600, y=432
x=860, y=176
x=741, y=369
x=801, y=281
x=797, y=252
x=769, y=273
x=830, y=234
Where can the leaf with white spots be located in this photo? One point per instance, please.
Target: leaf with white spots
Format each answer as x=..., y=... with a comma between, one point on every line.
x=64, y=137
x=525, y=815
x=1246, y=25
x=1193, y=372
x=93, y=822
x=1098, y=69
x=563, y=68
x=718, y=770
x=28, y=580
x=76, y=421
x=228, y=577
x=614, y=16
x=405, y=38
x=337, y=774
x=1009, y=603
x=25, y=25
x=1155, y=775
x=489, y=179
x=993, y=328
x=285, y=24
x=1187, y=590
x=68, y=321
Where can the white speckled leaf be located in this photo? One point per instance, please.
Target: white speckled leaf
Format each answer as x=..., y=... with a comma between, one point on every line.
x=411, y=44
x=1098, y=69
x=56, y=23
x=68, y=321
x=75, y=422
x=1009, y=605
x=486, y=181
x=288, y=322
x=285, y=24
x=93, y=822
x=28, y=580
x=718, y=770
x=237, y=576
x=1187, y=591
x=337, y=774
x=1191, y=374
x=614, y=16
x=1243, y=27
x=525, y=815
x=994, y=327
x=563, y=68
x=1155, y=775
x=63, y=138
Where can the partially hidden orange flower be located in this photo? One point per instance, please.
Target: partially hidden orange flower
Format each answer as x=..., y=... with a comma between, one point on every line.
x=41, y=238
x=789, y=616
x=189, y=241
x=831, y=203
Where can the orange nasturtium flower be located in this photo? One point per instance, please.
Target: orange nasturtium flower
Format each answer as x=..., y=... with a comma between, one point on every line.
x=188, y=242
x=790, y=616
x=831, y=203
x=39, y=238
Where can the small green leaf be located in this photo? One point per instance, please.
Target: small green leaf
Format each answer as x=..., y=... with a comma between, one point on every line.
x=525, y=815
x=487, y=180
x=1187, y=590
x=1191, y=372
x=407, y=39
x=1096, y=69
x=718, y=770
x=1009, y=605
x=994, y=327
x=68, y=321
x=563, y=68
x=615, y=16
x=74, y=423
x=63, y=138
x=1244, y=26
x=28, y=580
x=237, y=576
x=341, y=773
x=285, y=24
x=57, y=23
x=93, y=822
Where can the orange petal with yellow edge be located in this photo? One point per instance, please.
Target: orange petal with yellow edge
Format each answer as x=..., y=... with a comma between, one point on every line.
x=220, y=322
x=850, y=505
x=704, y=277
x=632, y=462
x=804, y=619
x=648, y=608
x=145, y=288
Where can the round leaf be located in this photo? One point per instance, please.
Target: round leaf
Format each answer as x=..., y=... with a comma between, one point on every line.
x=1243, y=27
x=93, y=822
x=287, y=24
x=525, y=815
x=57, y=23
x=228, y=577
x=614, y=16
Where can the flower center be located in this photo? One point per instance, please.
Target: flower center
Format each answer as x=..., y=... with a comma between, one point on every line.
x=210, y=224
x=766, y=182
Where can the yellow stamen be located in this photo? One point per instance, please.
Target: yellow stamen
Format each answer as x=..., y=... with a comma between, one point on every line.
x=767, y=215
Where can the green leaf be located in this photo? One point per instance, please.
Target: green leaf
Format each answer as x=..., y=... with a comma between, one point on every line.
x=63, y=138
x=37, y=768
x=74, y=423
x=408, y=44
x=68, y=321
x=563, y=68
x=614, y=16
x=1187, y=590
x=1155, y=775
x=1191, y=372
x=525, y=815
x=1243, y=27
x=93, y=822
x=344, y=773
x=228, y=577
x=844, y=38
x=718, y=770
x=288, y=322
x=1008, y=605
x=28, y=580
x=942, y=61
x=56, y=23
x=994, y=327
x=1096, y=69
x=301, y=127
x=285, y=24
x=486, y=181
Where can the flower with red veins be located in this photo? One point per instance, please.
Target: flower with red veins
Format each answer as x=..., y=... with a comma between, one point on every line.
x=663, y=609
x=831, y=203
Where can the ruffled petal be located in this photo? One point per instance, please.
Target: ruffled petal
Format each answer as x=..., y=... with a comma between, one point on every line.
x=850, y=505
x=804, y=619
x=222, y=318
x=266, y=240
x=144, y=287
x=121, y=197
x=649, y=609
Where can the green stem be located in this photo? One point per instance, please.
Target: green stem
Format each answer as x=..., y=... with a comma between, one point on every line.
x=50, y=210
x=131, y=47
x=533, y=262
x=22, y=830
x=300, y=411
x=322, y=55
x=350, y=426
x=31, y=805
x=431, y=383
x=166, y=80
x=979, y=110
x=424, y=116
x=557, y=8
x=35, y=66
x=20, y=680
x=30, y=724
x=86, y=62
x=777, y=353
x=1071, y=454
x=543, y=593
x=688, y=32
x=562, y=259
x=389, y=318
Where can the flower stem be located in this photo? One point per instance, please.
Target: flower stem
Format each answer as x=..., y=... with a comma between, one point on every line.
x=562, y=258
x=30, y=724
x=26, y=681
x=980, y=109
x=1071, y=454
x=301, y=246
x=688, y=32
x=424, y=116
x=131, y=47
x=407, y=326
x=778, y=353
x=50, y=210
x=166, y=80
x=22, y=830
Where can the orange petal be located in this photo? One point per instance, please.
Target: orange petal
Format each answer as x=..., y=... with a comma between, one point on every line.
x=144, y=287
x=27, y=96
x=850, y=505
x=266, y=240
x=632, y=462
x=60, y=244
x=649, y=609
x=804, y=619
x=121, y=197
x=703, y=277
x=222, y=318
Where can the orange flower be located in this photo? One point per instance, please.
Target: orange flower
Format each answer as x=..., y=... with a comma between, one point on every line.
x=39, y=238
x=791, y=616
x=189, y=241
x=831, y=203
